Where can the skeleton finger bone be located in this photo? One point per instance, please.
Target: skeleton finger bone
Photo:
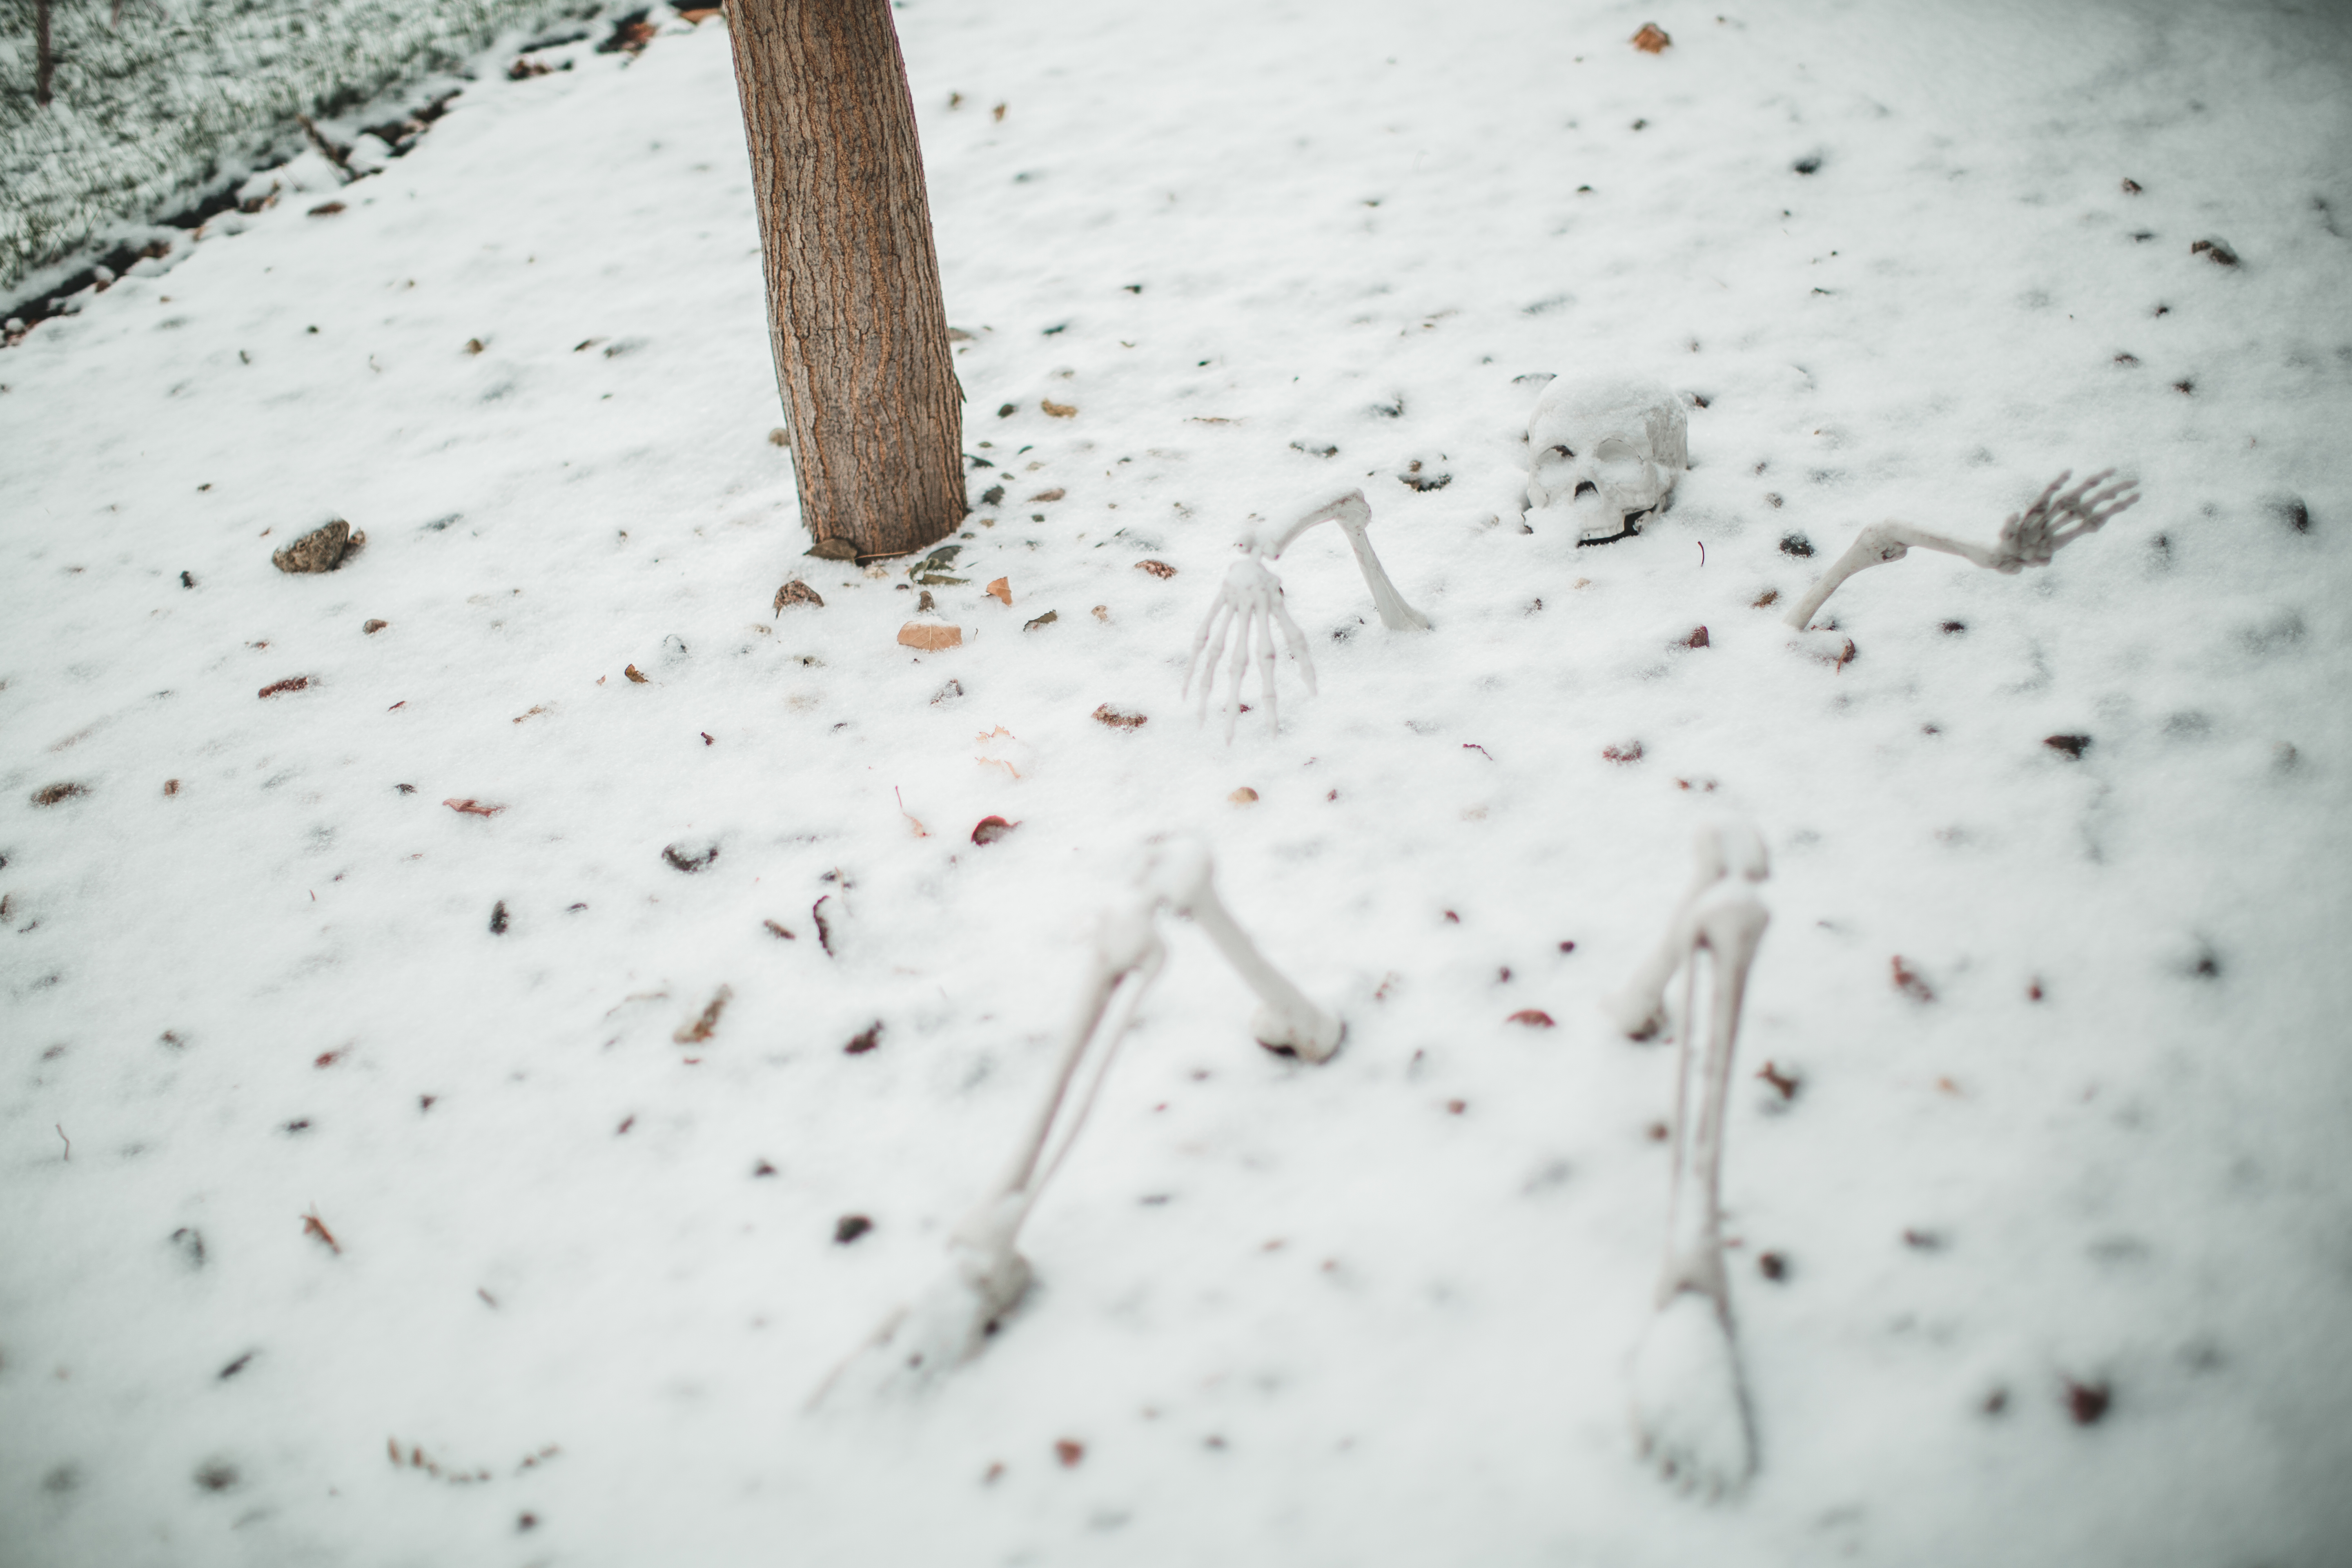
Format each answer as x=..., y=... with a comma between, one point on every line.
x=1247, y=612
x=2030, y=538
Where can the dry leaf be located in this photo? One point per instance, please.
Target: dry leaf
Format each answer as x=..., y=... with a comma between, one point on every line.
x=473, y=345
x=1057, y=492
x=473, y=807
x=1106, y=714
x=320, y=550
x=374, y=627
x=1159, y=569
x=634, y=673
x=326, y=209
x=313, y=1225
x=1002, y=589
x=1243, y=797
x=779, y=931
x=1059, y=410
x=1068, y=1452
x=292, y=683
x=797, y=593
x=991, y=828
x=1907, y=980
x=865, y=1041
x=921, y=831
x=1534, y=1018
x=1047, y=619
x=1651, y=40
x=1631, y=751
x=1696, y=638
x=930, y=637
x=1102, y=613
x=55, y=793
x=1785, y=1082
x=701, y=1029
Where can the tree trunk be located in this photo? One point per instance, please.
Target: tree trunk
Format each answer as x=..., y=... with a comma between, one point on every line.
x=854, y=316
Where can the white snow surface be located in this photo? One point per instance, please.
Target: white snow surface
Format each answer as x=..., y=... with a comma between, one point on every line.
x=1377, y=1312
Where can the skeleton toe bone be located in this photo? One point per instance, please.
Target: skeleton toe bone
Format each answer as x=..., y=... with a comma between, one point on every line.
x=2030, y=538
x=986, y=1276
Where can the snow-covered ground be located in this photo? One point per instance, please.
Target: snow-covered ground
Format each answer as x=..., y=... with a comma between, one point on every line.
x=1380, y=1310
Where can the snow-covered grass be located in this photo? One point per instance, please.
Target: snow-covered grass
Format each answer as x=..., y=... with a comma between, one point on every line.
x=1380, y=1310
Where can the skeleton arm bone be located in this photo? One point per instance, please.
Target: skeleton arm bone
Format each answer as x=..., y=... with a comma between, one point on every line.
x=1353, y=513
x=2030, y=538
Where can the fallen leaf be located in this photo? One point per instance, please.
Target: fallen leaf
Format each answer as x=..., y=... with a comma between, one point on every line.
x=292, y=683
x=930, y=637
x=700, y=1029
x=1059, y=410
x=1696, y=638
x=313, y=1225
x=1002, y=589
x=1908, y=982
x=1785, y=1082
x=797, y=593
x=1159, y=569
x=1631, y=751
x=1057, y=492
x=1533, y=1018
x=473, y=807
x=1102, y=613
x=921, y=831
x=171, y=787
x=1243, y=797
x=776, y=931
x=1047, y=619
x=2072, y=745
x=1068, y=1452
x=1106, y=714
x=1651, y=40
x=864, y=1041
x=52, y=794
x=2087, y=1401
x=833, y=549
x=499, y=918
x=849, y=1227
x=326, y=209
x=824, y=931
x=688, y=860
x=634, y=673
x=991, y=829
x=320, y=550
x=2215, y=251
x=473, y=345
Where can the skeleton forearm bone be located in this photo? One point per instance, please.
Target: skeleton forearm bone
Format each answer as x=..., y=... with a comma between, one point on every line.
x=1353, y=513
x=1181, y=877
x=2030, y=538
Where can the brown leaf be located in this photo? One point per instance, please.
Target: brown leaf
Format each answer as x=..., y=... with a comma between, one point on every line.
x=1785, y=1082
x=930, y=637
x=475, y=345
x=1696, y=638
x=1907, y=980
x=171, y=787
x=833, y=549
x=1102, y=613
x=473, y=807
x=1651, y=40
x=1059, y=410
x=326, y=209
x=51, y=793
x=1047, y=619
x=1002, y=589
x=1631, y=751
x=635, y=674
x=864, y=1041
x=700, y=1028
x=292, y=683
x=1534, y=1018
x=797, y=593
x=2087, y=1401
x=1106, y=714
x=313, y=1225
x=991, y=828
x=320, y=550
x=849, y=1227
x=824, y=926
x=2072, y=745
x=776, y=931
x=1069, y=1452
x=1057, y=492
x=372, y=626
x=688, y=860
x=1243, y=797
x=2216, y=251
x=1159, y=569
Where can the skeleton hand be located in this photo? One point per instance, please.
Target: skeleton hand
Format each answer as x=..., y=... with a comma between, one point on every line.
x=1251, y=600
x=2053, y=521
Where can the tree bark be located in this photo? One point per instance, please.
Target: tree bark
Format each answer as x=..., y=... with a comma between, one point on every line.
x=854, y=316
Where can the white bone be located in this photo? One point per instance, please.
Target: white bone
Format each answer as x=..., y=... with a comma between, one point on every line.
x=1249, y=602
x=1609, y=448
x=1725, y=848
x=2030, y=538
x=1690, y=1405
x=986, y=1276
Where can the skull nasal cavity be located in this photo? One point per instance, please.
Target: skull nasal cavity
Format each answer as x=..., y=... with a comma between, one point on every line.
x=1584, y=485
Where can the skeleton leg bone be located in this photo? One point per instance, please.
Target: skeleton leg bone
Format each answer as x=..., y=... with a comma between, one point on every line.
x=986, y=1277
x=1690, y=1404
x=1728, y=847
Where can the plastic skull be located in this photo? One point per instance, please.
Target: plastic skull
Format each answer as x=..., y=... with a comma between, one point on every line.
x=1608, y=447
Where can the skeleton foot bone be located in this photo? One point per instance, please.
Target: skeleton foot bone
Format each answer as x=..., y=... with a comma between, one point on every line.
x=2030, y=538
x=1690, y=1408
x=986, y=1277
x=1250, y=600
